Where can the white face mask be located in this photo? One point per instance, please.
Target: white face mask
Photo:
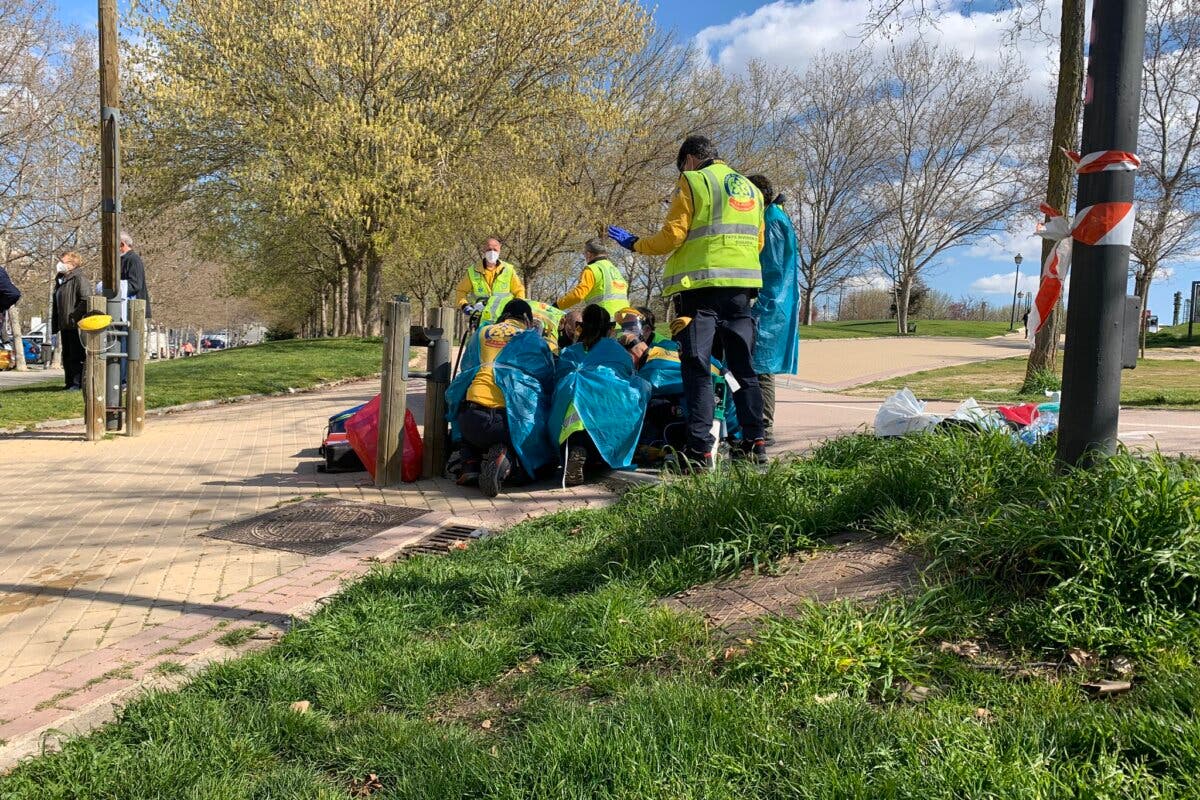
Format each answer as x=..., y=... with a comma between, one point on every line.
x=491, y=256
x=60, y=268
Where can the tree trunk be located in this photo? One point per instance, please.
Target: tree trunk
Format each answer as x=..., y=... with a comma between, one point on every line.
x=353, y=297
x=902, y=298
x=1141, y=288
x=324, y=312
x=372, y=312
x=1068, y=104
x=806, y=297
x=14, y=324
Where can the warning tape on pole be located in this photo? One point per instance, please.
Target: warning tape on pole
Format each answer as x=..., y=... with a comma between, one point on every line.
x=1097, y=224
x=1103, y=161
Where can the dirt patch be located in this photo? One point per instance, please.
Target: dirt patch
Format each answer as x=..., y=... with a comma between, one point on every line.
x=858, y=568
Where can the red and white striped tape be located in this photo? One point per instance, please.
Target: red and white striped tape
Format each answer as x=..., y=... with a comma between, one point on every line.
x=1057, y=229
x=1097, y=224
x=1103, y=161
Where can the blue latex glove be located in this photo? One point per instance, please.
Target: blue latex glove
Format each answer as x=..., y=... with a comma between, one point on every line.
x=622, y=237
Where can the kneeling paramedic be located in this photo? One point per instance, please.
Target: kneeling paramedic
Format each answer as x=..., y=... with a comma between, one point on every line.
x=714, y=232
x=484, y=418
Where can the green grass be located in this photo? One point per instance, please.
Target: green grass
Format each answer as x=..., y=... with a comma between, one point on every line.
x=1156, y=383
x=264, y=368
x=538, y=664
x=1173, y=336
x=925, y=327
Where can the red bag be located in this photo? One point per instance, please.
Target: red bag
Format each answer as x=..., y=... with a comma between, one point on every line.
x=1019, y=415
x=363, y=432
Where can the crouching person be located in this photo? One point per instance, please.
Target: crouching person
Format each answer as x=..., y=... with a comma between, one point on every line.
x=599, y=401
x=499, y=404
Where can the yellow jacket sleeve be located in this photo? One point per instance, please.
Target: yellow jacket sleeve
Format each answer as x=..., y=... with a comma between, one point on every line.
x=464, y=289
x=518, y=288
x=587, y=282
x=675, y=230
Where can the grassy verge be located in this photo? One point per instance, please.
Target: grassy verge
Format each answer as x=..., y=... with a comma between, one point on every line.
x=1155, y=383
x=264, y=368
x=539, y=665
x=925, y=327
x=1174, y=336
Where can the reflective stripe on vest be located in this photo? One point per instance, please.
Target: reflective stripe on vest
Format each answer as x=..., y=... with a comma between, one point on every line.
x=721, y=248
x=501, y=283
x=609, y=290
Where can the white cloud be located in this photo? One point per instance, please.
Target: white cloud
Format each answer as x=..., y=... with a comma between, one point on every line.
x=787, y=33
x=1002, y=283
x=872, y=279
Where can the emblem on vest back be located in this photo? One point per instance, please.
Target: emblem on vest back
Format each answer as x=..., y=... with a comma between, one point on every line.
x=740, y=191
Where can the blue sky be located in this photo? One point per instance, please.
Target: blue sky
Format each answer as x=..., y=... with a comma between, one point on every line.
x=789, y=32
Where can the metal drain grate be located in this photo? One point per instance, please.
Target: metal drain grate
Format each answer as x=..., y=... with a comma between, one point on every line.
x=315, y=527
x=443, y=540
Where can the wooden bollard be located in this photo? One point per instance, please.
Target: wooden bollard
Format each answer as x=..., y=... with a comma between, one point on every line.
x=393, y=398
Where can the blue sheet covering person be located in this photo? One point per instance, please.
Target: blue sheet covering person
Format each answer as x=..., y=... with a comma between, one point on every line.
x=777, y=311
x=599, y=400
x=499, y=403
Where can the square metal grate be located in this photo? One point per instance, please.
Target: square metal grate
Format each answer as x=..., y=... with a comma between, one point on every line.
x=315, y=527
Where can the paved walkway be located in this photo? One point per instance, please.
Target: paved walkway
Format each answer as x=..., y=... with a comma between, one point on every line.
x=11, y=379
x=833, y=364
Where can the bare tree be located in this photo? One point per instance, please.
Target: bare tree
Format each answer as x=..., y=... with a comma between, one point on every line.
x=838, y=150
x=953, y=132
x=1168, y=183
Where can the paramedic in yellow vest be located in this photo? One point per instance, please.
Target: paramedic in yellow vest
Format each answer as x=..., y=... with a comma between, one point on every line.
x=600, y=283
x=482, y=417
x=714, y=231
x=492, y=277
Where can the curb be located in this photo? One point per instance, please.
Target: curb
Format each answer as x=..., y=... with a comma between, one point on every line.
x=40, y=712
x=162, y=411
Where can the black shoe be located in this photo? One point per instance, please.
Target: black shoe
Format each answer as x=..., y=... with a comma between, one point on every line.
x=468, y=474
x=576, y=461
x=495, y=468
x=754, y=452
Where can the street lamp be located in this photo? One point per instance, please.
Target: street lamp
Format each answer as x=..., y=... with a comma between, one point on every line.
x=1012, y=322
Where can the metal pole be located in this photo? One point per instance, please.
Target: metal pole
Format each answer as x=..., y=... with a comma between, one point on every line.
x=1091, y=393
x=1012, y=321
x=110, y=187
x=393, y=398
x=93, y=374
x=441, y=322
x=135, y=391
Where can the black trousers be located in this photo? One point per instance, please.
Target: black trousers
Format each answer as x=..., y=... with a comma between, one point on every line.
x=722, y=316
x=481, y=427
x=73, y=357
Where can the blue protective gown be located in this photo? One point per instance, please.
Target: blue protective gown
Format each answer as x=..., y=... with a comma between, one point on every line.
x=524, y=371
x=777, y=311
x=600, y=389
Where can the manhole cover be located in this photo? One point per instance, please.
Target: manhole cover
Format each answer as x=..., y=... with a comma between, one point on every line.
x=444, y=539
x=315, y=527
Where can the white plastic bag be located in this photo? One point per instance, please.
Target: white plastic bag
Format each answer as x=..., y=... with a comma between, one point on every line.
x=971, y=412
x=903, y=413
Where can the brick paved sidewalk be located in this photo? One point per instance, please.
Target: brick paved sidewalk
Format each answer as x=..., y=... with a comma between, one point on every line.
x=102, y=541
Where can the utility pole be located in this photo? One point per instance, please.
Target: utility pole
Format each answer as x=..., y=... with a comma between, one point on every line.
x=1175, y=313
x=1091, y=393
x=110, y=199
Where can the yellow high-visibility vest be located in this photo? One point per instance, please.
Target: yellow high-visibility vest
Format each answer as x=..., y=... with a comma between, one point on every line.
x=721, y=248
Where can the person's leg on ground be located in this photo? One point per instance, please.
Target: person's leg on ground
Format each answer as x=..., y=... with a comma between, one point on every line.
x=695, y=350
x=73, y=359
x=766, y=383
x=736, y=329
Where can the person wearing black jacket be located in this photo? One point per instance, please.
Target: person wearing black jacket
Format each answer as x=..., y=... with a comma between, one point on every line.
x=134, y=272
x=9, y=294
x=70, y=304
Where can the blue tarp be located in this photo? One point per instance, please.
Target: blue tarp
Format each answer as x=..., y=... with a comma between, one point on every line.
x=524, y=371
x=608, y=396
x=777, y=344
